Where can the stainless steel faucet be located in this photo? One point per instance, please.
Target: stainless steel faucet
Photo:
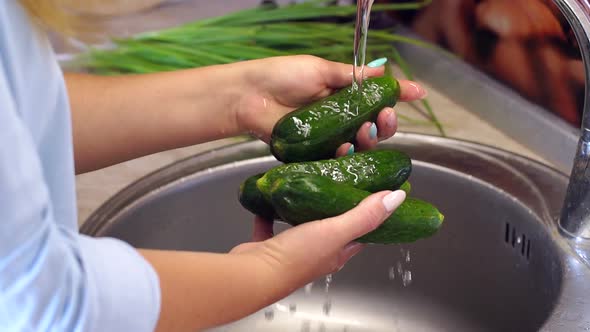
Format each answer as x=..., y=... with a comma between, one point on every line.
x=575, y=214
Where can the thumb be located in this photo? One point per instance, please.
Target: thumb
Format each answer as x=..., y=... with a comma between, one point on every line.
x=338, y=75
x=367, y=216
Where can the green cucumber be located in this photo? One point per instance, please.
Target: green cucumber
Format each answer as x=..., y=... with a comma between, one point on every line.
x=252, y=199
x=407, y=187
x=372, y=171
x=315, y=131
x=301, y=198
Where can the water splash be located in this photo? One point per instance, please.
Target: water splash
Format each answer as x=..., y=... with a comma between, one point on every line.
x=269, y=314
x=401, y=268
x=392, y=273
x=407, y=278
x=327, y=307
x=328, y=282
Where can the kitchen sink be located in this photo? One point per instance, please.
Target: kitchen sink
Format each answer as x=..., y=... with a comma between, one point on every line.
x=498, y=263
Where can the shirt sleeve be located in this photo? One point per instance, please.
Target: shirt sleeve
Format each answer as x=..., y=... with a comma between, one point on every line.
x=52, y=278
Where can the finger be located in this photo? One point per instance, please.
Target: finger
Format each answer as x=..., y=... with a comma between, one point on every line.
x=365, y=217
x=347, y=253
x=345, y=149
x=366, y=137
x=386, y=123
x=263, y=229
x=338, y=75
x=410, y=91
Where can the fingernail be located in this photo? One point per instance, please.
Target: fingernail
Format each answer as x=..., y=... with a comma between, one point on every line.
x=420, y=92
x=373, y=131
x=377, y=63
x=350, y=150
x=353, y=248
x=393, y=200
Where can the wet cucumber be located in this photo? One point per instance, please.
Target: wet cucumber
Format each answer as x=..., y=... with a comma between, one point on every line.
x=372, y=171
x=315, y=131
x=252, y=199
x=301, y=198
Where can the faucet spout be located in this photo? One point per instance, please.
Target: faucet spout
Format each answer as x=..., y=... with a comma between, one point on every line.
x=575, y=214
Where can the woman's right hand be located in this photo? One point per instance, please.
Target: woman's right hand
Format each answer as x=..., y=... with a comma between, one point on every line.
x=303, y=253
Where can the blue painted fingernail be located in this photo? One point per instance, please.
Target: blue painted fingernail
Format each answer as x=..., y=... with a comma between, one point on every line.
x=377, y=63
x=350, y=150
x=373, y=132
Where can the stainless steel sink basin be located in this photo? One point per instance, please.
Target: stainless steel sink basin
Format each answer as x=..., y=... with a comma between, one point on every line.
x=498, y=263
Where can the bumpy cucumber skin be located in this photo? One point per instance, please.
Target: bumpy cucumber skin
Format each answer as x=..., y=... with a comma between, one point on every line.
x=301, y=198
x=372, y=171
x=252, y=199
x=315, y=131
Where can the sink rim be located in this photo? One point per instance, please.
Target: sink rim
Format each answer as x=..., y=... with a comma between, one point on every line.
x=187, y=166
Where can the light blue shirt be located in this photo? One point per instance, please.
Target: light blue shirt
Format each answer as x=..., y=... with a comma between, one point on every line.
x=52, y=278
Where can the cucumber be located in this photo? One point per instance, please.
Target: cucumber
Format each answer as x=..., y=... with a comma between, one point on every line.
x=407, y=187
x=372, y=171
x=252, y=199
x=315, y=131
x=300, y=198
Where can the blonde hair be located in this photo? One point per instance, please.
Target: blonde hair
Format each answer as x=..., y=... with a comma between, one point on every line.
x=80, y=17
x=51, y=15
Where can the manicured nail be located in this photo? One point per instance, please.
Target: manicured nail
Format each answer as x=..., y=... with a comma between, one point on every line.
x=393, y=200
x=373, y=132
x=352, y=249
x=377, y=63
x=350, y=150
x=420, y=92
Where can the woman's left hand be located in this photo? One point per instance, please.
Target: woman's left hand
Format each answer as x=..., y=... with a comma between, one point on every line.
x=273, y=87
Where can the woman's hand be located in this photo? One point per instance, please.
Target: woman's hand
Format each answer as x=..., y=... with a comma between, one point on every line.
x=303, y=253
x=203, y=290
x=276, y=86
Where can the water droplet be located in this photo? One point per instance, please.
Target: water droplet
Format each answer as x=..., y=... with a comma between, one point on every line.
x=327, y=307
x=518, y=240
x=400, y=269
x=305, y=326
x=408, y=256
x=392, y=273
x=328, y=282
x=308, y=287
x=407, y=278
x=292, y=308
x=269, y=314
